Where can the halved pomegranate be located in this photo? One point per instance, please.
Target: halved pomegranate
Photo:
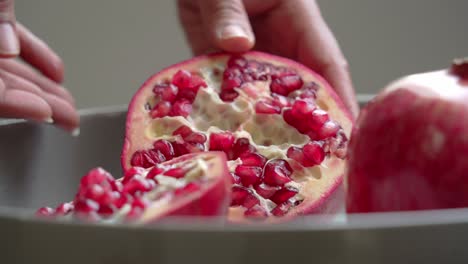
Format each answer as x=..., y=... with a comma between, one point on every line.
x=282, y=127
x=410, y=146
x=195, y=185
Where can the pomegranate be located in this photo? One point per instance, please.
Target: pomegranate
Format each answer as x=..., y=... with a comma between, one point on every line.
x=409, y=147
x=195, y=184
x=281, y=126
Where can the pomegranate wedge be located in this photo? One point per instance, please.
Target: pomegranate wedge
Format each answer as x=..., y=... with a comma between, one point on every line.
x=282, y=127
x=192, y=185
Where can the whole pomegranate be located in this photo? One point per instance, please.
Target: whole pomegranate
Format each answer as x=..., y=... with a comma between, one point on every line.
x=195, y=184
x=409, y=148
x=282, y=127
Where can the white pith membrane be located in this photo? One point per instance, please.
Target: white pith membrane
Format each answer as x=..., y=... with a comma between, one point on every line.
x=268, y=133
x=164, y=194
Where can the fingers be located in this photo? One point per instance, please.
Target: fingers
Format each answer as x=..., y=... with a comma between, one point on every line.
x=318, y=49
x=26, y=72
x=9, y=44
x=39, y=55
x=23, y=99
x=23, y=104
x=227, y=24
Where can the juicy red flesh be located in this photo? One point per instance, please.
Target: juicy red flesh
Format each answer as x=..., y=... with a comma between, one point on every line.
x=290, y=96
x=99, y=195
x=277, y=172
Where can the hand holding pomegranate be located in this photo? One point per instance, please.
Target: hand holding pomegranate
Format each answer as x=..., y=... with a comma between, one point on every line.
x=24, y=92
x=293, y=29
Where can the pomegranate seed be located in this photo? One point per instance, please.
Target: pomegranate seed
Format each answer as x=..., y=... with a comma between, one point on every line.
x=132, y=172
x=238, y=195
x=183, y=131
x=237, y=61
x=140, y=203
x=309, y=91
x=281, y=101
x=176, y=173
x=166, y=92
x=105, y=210
x=196, y=82
x=137, y=184
x=293, y=121
x=256, y=212
x=189, y=188
x=277, y=172
x=86, y=206
x=253, y=159
x=329, y=129
x=264, y=107
x=138, y=207
x=235, y=179
x=221, y=141
x=95, y=192
x=180, y=149
x=194, y=147
x=250, y=201
x=241, y=147
x=296, y=154
x=162, y=109
x=165, y=148
x=228, y=96
x=230, y=83
x=281, y=209
x=266, y=191
x=96, y=176
x=249, y=175
x=314, y=152
x=44, y=211
x=302, y=108
x=187, y=94
x=283, y=195
x=181, y=108
x=284, y=85
x=116, y=186
x=196, y=137
x=121, y=201
x=64, y=208
x=182, y=79
x=154, y=171
x=146, y=158
x=317, y=119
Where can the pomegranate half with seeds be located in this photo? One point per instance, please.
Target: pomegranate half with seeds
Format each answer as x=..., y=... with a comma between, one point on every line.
x=282, y=127
x=410, y=145
x=192, y=185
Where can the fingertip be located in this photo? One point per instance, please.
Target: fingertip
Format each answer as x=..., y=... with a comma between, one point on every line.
x=9, y=43
x=234, y=38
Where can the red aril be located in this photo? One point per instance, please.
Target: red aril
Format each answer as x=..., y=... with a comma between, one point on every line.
x=204, y=189
x=409, y=148
x=262, y=111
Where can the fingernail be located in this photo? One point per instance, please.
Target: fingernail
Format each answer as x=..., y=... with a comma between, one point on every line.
x=9, y=44
x=233, y=31
x=75, y=132
x=49, y=120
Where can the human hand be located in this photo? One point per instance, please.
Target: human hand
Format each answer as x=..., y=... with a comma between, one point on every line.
x=31, y=91
x=289, y=28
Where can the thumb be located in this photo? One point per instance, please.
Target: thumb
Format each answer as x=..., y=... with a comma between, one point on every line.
x=228, y=24
x=9, y=44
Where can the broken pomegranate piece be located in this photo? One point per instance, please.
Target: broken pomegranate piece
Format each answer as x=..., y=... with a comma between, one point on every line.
x=282, y=127
x=195, y=185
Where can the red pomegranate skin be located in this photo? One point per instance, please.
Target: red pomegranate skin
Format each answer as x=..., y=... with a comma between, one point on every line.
x=409, y=148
